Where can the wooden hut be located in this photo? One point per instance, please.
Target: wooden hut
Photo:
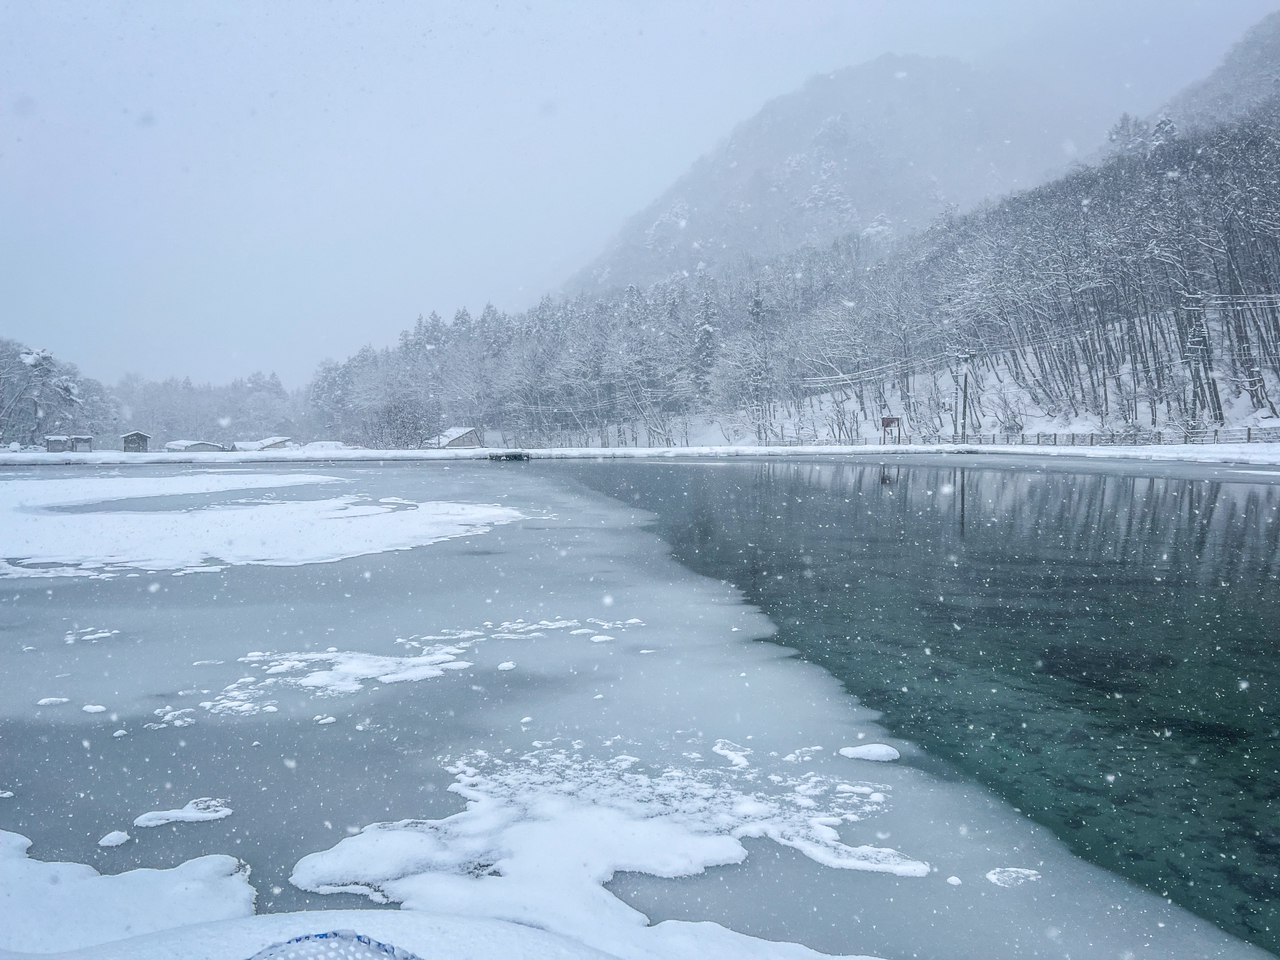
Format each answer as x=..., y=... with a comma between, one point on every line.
x=81, y=444
x=57, y=444
x=135, y=442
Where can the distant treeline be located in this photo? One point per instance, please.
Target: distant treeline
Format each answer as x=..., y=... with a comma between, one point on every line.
x=1141, y=292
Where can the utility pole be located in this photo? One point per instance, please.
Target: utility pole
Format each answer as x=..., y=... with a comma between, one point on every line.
x=963, y=356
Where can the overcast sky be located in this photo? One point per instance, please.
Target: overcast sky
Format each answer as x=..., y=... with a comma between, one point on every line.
x=208, y=189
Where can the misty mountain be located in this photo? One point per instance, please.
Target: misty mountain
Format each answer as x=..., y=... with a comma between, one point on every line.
x=1248, y=76
x=884, y=146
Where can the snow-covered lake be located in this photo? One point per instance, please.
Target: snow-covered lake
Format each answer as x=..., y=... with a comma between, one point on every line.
x=490, y=694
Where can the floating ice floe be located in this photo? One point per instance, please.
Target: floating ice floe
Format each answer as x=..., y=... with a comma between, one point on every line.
x=94, y=708
x=43, y=540
x=1012, y=876
x=52, y=701
x=114, y=839
x=89, y=634
x=880, y=752
x=196, y=811
x=542, y=833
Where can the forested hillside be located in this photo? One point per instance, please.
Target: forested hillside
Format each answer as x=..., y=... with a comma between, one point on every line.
x=1138, y=293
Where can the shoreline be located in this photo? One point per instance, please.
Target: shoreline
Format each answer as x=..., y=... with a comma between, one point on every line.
x=1265, y=454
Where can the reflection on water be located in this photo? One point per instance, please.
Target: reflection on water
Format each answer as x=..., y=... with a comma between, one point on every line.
x=1097, y=648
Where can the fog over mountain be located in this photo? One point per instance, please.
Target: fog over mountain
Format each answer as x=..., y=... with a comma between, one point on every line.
x=886, y=145
x=1248, y=76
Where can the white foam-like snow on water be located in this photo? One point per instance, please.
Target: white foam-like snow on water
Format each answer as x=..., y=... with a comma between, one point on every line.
x=543, y=832
x=879, y=752
x=51, y=907
x=52, y=701
x=195, y=811
x=41, y=538
x=335, y=672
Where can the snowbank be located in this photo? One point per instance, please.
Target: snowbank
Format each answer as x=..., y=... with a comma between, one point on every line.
x=430, y=936
x=51, y=907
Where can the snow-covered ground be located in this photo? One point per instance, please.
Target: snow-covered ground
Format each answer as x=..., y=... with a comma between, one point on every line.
x=592, y=707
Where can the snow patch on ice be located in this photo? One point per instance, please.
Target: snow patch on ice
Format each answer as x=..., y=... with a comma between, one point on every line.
x=196, y=811
x=1012, y=876
x=49, y=541
x=735, y=754
x=53, y=907
x=346, y=672
x=169, y=717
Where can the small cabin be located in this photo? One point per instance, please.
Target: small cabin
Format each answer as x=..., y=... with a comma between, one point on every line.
x=193, y=446
x=57, y=444
x=81, y=444
x=135, y=442
x=458, y=437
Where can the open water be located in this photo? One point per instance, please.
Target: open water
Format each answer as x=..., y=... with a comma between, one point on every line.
x=1096, y=645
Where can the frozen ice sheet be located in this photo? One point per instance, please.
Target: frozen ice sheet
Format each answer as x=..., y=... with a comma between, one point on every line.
x=683, y=750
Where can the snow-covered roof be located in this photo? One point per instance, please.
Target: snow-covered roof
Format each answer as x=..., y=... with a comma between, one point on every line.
x=56, y=437
x=135, y=433
x=179, y=445
x=264, y=444
x=452, y=434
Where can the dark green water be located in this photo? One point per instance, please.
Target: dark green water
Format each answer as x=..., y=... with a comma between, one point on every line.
x=1097, y=647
